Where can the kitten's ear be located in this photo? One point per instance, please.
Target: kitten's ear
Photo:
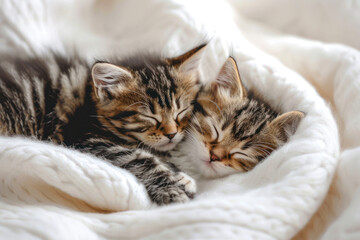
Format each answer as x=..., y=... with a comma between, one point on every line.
x=276, y=133
x=189, y=62
x=285, y=125
x=106, y=76
x=229, y=80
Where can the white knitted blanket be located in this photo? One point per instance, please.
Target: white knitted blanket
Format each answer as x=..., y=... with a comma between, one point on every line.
x=49, y=192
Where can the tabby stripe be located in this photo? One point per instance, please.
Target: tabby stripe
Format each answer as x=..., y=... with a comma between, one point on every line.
x=246, y=165
x=141, y=163
x=257, y=131
x=247, y=145
x=112, y=156
x=151, y=106
x=226, y=123
x=177, y=102
x=27, y=69
x=153, y=94
x=167, y=102
x=243, y=108
x=199, y=109
x=39, y=116
x=260, y=158
x=104, y=149
x=124, y=114
x=126, y=130
x=9, y=108
x=7, y=79
x=91, y=144
x=64, y=64
x=33, y=67
x=161, y=180
x=51, y=99
x=119, y=131
x=173, y=86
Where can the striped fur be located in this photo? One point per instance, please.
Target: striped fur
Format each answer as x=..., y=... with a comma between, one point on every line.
x=126, y=112
x=232, y=130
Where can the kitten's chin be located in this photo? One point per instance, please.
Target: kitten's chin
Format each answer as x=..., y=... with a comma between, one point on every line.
x=214, y=170
x=165, y=147
x=207, y=170
x=211, y=171
x=198, y=160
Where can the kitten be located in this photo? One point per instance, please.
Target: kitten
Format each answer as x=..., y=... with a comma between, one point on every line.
x=123, y=112
x=231, y=130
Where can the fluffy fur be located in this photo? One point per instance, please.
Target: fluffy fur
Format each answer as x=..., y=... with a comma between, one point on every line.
x=126, y=112
x=132, y=112
x=231, y=130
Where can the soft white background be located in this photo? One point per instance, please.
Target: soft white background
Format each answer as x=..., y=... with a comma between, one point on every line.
x=49, y=192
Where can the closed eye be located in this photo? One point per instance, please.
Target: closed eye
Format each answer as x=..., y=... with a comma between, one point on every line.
x=124, y=114
x=181, y=114
x=157, y=122
x=217, y=135
x=238, y=154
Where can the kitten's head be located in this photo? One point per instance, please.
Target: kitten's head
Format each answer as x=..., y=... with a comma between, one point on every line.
x=147, y=101
x=232, y=130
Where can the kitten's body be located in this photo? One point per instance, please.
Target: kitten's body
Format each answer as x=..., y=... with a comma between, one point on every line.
x=134, y=112
x=42, y=97
x=120, y=114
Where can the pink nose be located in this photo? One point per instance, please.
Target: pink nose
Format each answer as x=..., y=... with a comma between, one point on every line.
x=170, y=136
x=214, y=158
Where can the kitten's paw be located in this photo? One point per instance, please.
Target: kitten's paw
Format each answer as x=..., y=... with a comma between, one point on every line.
x=186, y=183
x=178, y=188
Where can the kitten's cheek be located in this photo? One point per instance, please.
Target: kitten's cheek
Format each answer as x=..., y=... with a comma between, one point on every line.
x=141, y=137
x=178, y=137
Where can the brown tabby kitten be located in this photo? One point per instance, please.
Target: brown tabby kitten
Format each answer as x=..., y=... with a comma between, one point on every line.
x=122, y=112
x=231, y=130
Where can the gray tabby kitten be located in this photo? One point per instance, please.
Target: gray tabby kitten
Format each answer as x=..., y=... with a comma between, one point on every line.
x=231, y=130
x=126, y=112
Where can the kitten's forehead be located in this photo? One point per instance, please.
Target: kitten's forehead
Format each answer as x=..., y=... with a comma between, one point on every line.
x=162, y=86
x=250, y=118
x=159, y=77
x=223, y=136
x=216, y=133
x=238, y=120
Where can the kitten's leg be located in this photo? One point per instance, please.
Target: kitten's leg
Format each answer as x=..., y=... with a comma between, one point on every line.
x=163, y=181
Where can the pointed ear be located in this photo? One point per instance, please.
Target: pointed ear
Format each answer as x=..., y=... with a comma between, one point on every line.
x=229, y=80
x=285, y=125
x=189, y=62
x=107, y=76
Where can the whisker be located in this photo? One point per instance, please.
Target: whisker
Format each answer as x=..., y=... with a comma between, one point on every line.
x=142, y=95
x=96, y=116
x=262, y=147
x=192, y=138
x=265, y=144
x=262, y=150
x=192, y=127
x=143, y=103
x=211, y=102
x=196, y=119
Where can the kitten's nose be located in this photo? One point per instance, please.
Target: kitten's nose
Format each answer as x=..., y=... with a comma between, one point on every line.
x=170, y=135
x=217, y=153
x=214, y=158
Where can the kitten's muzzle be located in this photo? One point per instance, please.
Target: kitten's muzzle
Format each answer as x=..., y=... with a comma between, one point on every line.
x=170, y=135
x=214, y=157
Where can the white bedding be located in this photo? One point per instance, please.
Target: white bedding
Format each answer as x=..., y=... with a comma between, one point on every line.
x=49, y=192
